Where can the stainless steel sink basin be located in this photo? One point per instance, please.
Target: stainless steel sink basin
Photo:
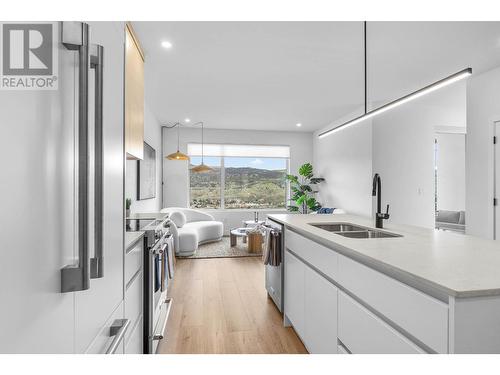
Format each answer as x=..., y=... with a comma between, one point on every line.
x=338, y=227
x=368, y=234
x=354, y=231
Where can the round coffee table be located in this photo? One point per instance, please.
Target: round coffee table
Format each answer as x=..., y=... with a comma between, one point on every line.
x=237, y=232
x=255, y=243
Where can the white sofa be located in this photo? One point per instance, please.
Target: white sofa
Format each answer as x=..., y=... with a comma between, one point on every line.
x=194, y=228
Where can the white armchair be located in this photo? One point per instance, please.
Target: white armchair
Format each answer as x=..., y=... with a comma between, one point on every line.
x=194, y=228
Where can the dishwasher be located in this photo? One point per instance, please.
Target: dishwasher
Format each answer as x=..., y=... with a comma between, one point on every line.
x=275, y=274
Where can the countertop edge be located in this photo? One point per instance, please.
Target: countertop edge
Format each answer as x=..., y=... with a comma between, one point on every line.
x=397, y=273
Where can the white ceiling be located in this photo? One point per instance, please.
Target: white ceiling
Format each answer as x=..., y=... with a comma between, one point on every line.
x=271, y=75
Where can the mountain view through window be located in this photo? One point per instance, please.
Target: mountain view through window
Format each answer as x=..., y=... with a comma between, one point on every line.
x=248, y=183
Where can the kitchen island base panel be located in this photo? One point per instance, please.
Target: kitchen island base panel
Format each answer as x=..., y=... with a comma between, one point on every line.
x=397, y=317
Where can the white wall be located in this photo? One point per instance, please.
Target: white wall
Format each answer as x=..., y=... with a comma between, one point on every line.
x=344, y=159
x=483, y=108
x=399, y=145
x=403, y=153
x=152, y=136
x=450, y=171
x=176, y=175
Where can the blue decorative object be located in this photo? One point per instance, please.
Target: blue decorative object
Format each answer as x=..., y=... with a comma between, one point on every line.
x=325, y=210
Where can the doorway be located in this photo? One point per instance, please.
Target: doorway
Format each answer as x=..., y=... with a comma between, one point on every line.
x=449, y=176
x=496, y=181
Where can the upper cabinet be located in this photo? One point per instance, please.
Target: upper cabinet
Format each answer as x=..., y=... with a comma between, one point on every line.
x=134, y=96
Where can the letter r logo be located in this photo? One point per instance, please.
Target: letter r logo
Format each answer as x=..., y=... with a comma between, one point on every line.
x=27, y=49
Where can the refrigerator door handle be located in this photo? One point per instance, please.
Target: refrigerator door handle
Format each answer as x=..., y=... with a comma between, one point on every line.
x=75, y=37
x=96, y=262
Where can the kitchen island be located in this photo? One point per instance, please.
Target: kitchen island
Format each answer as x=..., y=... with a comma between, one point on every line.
x=426, y=291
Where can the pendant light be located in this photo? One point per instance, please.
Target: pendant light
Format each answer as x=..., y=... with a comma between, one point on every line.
x=177, y=155
x=202, y=167
x=404, y=99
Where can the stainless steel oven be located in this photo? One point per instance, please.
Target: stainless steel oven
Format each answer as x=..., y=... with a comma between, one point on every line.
x=158, y=271
x=156, y=302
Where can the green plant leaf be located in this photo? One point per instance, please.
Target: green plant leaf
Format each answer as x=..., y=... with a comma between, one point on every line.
x=301, y=199
x=316, y=180
x=305, y=188
x=292, y=208
x=292, y=178
x=306, y=170
x=311, y=202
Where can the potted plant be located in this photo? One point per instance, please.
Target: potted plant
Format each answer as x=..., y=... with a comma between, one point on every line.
x=302, y=192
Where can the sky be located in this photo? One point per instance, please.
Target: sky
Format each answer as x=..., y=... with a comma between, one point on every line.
x=261, y=163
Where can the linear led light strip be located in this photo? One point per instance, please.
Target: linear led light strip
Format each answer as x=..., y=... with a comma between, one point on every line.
x=405, y=99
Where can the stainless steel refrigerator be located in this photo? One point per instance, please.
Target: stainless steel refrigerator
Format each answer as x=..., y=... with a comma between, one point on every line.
x=61, y=191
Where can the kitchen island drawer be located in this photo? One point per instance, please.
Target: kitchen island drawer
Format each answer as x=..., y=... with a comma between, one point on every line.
x=133, y=299
x=133, y=260
x=422, y=316
x=319, y=256
x=135, y=343
x=104, y=340
x=365, y=333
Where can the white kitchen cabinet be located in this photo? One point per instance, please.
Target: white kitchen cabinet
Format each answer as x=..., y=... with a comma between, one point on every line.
x=294, y=293
x=421, y=315
x=323, y=258
x=365, y=333
x=320, y=313
x=104, y=339
x=134, y=344
x=310, y=305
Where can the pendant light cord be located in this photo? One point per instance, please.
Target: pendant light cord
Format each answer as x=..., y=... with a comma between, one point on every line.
x=178, y=136
x=365, y=68
x=202, y=138
x=202, y=143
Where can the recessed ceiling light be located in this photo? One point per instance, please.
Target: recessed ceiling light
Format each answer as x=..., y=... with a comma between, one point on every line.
x=187, y=120
x=166, y=44
x=299, y=124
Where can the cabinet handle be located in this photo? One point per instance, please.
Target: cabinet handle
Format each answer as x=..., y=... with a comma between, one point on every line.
x=117, y=329
x=96, y=63
x=75, y=37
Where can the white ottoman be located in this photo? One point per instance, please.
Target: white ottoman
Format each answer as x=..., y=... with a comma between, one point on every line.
x=208, y=231
x=188, y=241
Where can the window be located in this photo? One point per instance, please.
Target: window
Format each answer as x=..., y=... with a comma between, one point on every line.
x=205, y=187
x=244, y=177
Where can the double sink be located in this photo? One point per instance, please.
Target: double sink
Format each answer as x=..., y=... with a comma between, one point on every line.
x=354, y=231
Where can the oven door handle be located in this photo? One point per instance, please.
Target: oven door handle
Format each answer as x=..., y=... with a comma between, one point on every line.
x=163, y=253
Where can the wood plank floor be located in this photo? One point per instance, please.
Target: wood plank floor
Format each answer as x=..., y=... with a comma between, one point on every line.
x=221, y=306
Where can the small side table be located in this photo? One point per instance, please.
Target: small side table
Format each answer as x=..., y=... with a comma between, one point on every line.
x=235, y=233
x=254, y=242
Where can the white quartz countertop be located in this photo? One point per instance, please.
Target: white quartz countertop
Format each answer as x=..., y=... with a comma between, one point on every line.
x=131, y=238
x=451, y=263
